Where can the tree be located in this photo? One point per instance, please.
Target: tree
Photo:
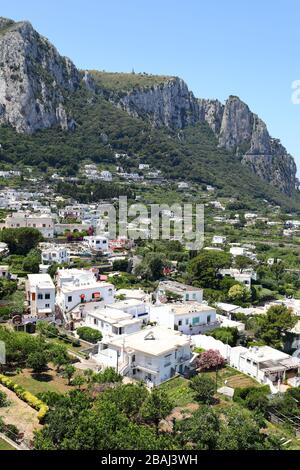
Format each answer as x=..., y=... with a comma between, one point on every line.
x=89, y=334
x=69, y=372
x=37, y=361
x=202, y=429
x=59, y=356
x=31, y=263
x=239, y=294
x=151, y=268
x=210, y=359
x=156, y=407
x=78, y=381
x=21, y=240
x=204, y=388
x=242, y=262
x=206, y=266
x=275, y=324
x=240, y=431
x=227, y=335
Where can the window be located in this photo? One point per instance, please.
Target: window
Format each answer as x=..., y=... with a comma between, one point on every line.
x=196, y=320
x=47, y=306
x=187, y=321
x=208, y=319
x=47, y=296
x=70, y=298
x=95, y=321
x=194, y=296
x=40, y=296
x=179, y=322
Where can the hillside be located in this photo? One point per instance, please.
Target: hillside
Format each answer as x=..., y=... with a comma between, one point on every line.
x=54, y=117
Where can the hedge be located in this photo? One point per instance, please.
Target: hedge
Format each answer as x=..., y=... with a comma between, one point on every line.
x=26, y=396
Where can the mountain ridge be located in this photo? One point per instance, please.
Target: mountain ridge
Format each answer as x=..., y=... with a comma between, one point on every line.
x=37, y=86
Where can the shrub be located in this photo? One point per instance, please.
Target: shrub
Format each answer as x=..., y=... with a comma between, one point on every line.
x=210, y=359
x=89, y=334
x=26, y=396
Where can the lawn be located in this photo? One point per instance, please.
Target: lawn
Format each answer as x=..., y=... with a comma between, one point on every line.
x=47, y=381
x=5, y=446
x=178, y=391
x=233, y=378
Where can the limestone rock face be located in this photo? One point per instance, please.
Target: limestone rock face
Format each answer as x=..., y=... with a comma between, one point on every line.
x=36, y=83
x=34, y=79
x=237, y=129
x=169, y=104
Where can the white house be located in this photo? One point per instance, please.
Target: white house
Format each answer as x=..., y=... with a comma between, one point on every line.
x=111, y=322
x=184, y=292
x=42, y=222
x=153, y=355
x=218, y=240
x=55, y=254
x=237, y=251
x=97, y=243
x=265, y=364
x=40, y=295
x=75, y=286
x=244, y=277
x=188, y=318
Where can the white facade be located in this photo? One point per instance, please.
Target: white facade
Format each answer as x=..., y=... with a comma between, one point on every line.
x=185, y=292
x=55, y=254
x=40, y=294
x=152, y=355
x=266, y=365
x=189, y=319
x=245, y=277
x=76, y=287
x=44, y=223
x=112, y=322
x=218, y=240
x=97, y=243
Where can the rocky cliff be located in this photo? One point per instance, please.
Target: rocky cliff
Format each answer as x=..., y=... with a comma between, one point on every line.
x=36, y=83
x=237, y=129
x=34, y=79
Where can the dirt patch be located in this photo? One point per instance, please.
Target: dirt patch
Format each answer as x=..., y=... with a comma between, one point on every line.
x=179, y=413
x=20, y=414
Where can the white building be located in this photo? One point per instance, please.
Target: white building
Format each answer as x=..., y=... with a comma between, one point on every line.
x=111, y=322
x=218, y=240
x=189, y=318
x=267, y=365
x=184, y=292
x=44, y=223
x=40, y=295
x=152, y=355
x=55, y=254
x=97, y=243
x=245, y=277
x=75, y=286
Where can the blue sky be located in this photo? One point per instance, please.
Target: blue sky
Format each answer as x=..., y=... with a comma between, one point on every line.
x=248, y=48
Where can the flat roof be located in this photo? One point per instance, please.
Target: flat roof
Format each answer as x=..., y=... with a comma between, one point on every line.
x=178, y=286
x=264, y=353
x=153, y=341
x=40, y=280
